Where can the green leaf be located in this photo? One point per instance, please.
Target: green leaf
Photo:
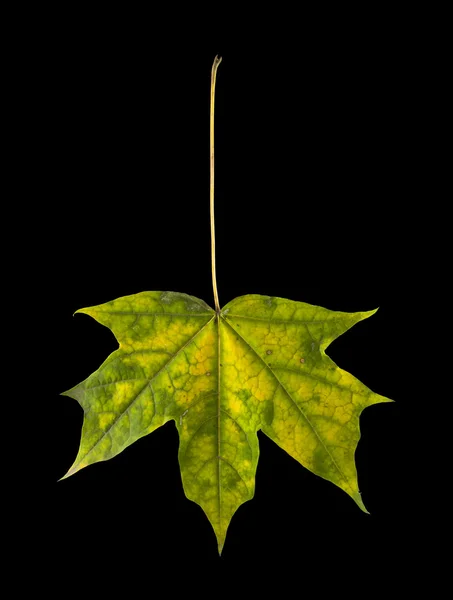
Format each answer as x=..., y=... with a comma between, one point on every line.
x=258, y=364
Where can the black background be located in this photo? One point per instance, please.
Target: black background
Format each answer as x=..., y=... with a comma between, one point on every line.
x=317, y=170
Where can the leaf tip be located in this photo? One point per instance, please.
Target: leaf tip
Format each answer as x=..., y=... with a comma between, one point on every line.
x=358, y=500
x=220, y=536
x=76, y=393
x=71, y=471
x=369, y=313
x=81, y=311
x=385, y=399
x=378, y=399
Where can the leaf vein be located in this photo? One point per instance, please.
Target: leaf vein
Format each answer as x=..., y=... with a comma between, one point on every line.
x=311, y=376
x=149, y=314
x=272, y=320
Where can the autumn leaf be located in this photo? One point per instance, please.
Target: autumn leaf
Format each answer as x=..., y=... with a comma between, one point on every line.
x=259, y=364
x=222, y=375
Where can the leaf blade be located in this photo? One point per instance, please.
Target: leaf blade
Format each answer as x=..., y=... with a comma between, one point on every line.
x=259, y=364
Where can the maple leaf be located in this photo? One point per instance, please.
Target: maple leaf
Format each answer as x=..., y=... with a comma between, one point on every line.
x=222, y=375
x=259, y=363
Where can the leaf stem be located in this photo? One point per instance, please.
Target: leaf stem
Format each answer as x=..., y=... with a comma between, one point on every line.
x=215, y=65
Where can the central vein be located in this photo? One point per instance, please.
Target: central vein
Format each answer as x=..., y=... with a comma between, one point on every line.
x=218, y=413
